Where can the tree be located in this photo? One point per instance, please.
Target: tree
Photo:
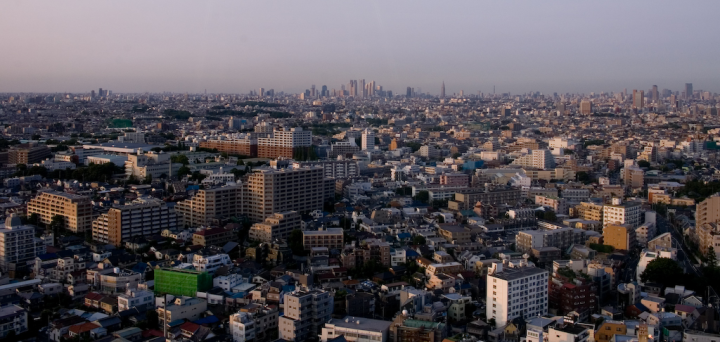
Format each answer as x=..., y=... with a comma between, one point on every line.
x=295, y=242
x=664, y=271
x=583, y=177
x=711, y=257
x=549, y=215
x=148, y=179
x=184, y=170
x=419, y=240
x=57, y=222
x=422, y=196
x=152, y=319
x=34, y=218
x=643, y=163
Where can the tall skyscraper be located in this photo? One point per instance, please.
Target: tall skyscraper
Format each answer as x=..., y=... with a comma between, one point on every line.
x=312, y=91
x=638, y=98
x=688, y=91
x=442, y=90
x=262, y=92
x=324, y=91
x=585, y=107
x=101, y=93
x=655, y=94
x=409, y=92
x=362, y=87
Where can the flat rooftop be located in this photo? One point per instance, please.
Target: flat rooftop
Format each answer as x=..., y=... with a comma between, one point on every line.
x=361, y=324
x=517, y=273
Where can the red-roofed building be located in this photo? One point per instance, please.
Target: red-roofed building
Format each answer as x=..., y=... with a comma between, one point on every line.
x=188, y=329
x=84, y=329
x=93, y=299
x=576, y=293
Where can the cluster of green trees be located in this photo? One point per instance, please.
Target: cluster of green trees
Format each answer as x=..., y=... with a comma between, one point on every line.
x=90, y=173
x=181, y=115
x=602, y=248
x=4, y=143
x=304, y=153
x=699, y=190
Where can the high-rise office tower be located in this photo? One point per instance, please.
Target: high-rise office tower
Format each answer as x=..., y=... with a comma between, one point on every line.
x=362, y=87
x=638, y=99
x=368, y=140
x=442, y=90
x=655, y=94
x=312, y=91
x=371, y=89
x=586, y=107
x=101, y=93
x=324, y=91
x=688, y=91
x=409, y=92
x=262, y=92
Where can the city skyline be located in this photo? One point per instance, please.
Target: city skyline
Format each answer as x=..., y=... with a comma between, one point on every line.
x=471, y=46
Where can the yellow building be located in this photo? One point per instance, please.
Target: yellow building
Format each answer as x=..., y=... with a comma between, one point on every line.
x=608, y=329
x=620, y=237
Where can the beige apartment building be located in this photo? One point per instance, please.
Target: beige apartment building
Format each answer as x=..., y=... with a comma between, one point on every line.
x=145, y=217
x=28, y=154
x=283, y=142
x=276, y=191
x=587, y=211
x=210, y=204
x=276, y=226
x=76, y=210
x=559, y=205
x=212, y=236
x=466, y=199
x=305, y=314
x=332, y=238
x=246, y=147
x=708, y=211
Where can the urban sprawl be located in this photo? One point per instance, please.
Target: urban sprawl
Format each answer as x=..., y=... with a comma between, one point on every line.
x=359, y=214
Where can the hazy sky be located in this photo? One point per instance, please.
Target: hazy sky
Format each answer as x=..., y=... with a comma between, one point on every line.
x=235, y=46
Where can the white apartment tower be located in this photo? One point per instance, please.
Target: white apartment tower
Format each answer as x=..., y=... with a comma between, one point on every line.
x=620, y=213
x=543, y=159
x=515, y=292
x=368, y=140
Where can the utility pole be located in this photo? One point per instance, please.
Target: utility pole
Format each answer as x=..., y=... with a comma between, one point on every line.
x=165, y=323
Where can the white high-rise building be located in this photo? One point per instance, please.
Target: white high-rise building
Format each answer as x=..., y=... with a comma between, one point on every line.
x=515, y=292
x=17, y=244
x=543, y=159
x=540, y=159
x=619, y=213
x=368, y=140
